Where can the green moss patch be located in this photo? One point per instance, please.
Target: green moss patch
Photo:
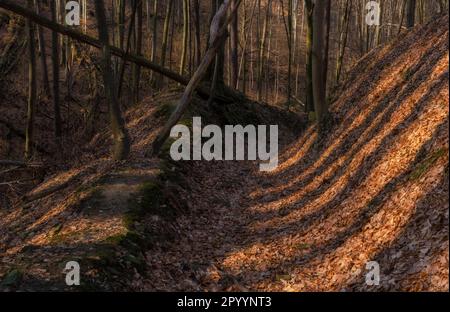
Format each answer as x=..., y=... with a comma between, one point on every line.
x=424, y=166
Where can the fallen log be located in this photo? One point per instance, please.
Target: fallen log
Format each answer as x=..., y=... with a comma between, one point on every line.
x=230, y=96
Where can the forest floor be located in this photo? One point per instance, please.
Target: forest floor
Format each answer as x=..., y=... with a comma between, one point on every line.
x=375, y=188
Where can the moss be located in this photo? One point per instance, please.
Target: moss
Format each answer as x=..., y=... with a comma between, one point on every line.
x=165, y=110
x=187, y=121
x=164, y=153
x=406, y=74
x=426, y=164
x=241, y=115
x=152, y=198
x=58, y=238
x=12, y=278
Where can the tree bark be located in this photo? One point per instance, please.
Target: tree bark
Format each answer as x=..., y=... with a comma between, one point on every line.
x=165, y=38
x=318, y=48
x=309, y=6
x=120, y=135
x=410, y=13
x=43, y=54
x=234, y=39
x=343, y=39
x=31, y=86
x=55, y=69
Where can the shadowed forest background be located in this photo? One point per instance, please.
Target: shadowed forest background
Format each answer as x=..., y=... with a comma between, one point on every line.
x=85, y=171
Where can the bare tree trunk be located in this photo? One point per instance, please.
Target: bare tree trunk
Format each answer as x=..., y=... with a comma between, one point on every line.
x=31, y=86
x=261, y=52
x=165, y=38
x=327, y=45
x=186, y=6
x=403, y=6
x=138, y=51
x=154, y=33
x=380, y=26
x=42, y=50
x=309, y=6
x=318, y=49
x=410, y=13
x=129, y=37
x=343, y=39
x=198, y=47
x=55, y=69
x=120, y=135
x=234, y=39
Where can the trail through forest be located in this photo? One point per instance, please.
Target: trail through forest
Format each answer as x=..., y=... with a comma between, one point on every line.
x=375, y=190
x=371, y=188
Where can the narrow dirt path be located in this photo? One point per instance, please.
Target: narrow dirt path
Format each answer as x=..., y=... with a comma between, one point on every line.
x=215, y=226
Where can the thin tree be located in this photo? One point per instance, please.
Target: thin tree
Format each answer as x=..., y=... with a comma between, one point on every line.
x=234, y=40
x=309, y=6
x=55, y=70
x=198, y=47
x=31, y=85
x=154, y=33
x=184, y=49
x=165, y=38
x=42, y=51
x=343, y=38
x=136, y=69
x=261, y=52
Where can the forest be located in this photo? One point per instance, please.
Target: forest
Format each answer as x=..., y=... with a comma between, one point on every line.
x=224, y=146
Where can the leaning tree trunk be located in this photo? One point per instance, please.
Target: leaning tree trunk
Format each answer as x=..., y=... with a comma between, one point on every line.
x=217, y=38
x=120, y=135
